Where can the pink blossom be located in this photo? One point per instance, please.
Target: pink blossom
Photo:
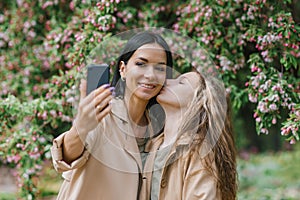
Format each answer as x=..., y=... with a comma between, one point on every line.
x=53, y=113
x=72, y=5
x=264, y=53
x=255, y=115
x=252, y=98
x=2, y=18
x=71, y=100
x=34, y=155
x=294, y=46
x=44, y=115
x=265, y=131
x=285, y=131
x=293, y=53
x=46, y=4
x=42, y=139
x=273, y=107
x=16, y=158
x=274, y=98
x=293, y=141
x=262, y=107
x=9, y=159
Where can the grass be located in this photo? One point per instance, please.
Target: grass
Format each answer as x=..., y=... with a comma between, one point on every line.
x=270, y=176
x=7, y=196
x=48, y=184
x=266, y=176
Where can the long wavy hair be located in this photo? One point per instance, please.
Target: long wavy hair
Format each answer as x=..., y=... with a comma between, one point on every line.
x=207, y=121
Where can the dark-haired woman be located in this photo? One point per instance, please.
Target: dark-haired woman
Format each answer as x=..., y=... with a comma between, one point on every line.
x=100, y=156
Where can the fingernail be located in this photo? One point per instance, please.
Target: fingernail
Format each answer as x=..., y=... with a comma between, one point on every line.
x=113, y=94
x=105, y=86
x=112, y=89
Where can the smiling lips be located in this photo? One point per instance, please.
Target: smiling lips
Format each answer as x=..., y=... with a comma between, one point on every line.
x=147, y=86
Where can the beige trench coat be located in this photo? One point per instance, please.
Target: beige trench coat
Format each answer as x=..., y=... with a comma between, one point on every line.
x=183, y=175
x=110, y=167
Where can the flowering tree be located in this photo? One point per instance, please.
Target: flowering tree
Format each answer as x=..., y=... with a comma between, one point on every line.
x=44, y=44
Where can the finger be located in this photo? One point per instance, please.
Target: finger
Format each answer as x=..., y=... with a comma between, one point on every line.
x=101, y=106
x=104, y=112
x=102, y=88
x=82, y=89
x=89, y=100
x=96, y=93
x=102, y=96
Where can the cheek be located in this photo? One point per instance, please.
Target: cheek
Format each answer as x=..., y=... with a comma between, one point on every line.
x=131, y=77
x=159, y=87
x=188, y=97
x=161, y=78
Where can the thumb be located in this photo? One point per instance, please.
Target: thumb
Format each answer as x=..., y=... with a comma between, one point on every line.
x=82, y=89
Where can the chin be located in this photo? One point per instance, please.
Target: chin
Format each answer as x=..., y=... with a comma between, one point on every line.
x=161, y=99
x=145, y=97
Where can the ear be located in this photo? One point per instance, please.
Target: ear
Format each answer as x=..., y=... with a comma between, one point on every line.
x=122, y=69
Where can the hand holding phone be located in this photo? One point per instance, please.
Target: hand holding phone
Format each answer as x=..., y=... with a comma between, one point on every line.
x=97, y=75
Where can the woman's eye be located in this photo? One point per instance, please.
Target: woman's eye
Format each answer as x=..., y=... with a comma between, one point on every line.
x=181, y=81
x=160, y=68
x=140, y=64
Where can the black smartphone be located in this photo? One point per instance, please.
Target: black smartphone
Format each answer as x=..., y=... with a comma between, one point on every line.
x=97, y=75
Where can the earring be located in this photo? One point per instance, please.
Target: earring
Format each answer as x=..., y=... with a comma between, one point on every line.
x=123, y=78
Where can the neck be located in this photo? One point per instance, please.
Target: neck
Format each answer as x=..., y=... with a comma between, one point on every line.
x=173, y=119
x=136, y=111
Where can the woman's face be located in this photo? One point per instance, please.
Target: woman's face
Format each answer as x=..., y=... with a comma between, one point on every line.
x=179, y=92
x=145, y=71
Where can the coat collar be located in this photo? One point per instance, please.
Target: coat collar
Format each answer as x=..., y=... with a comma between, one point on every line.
x=119, y=109
x=154, y=144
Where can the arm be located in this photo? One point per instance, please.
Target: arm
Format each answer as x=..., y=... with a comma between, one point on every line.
x=200, y=185
x=90, y=113
x=73, y=146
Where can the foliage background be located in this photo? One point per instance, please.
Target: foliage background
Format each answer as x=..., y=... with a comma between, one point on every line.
x=43, y=45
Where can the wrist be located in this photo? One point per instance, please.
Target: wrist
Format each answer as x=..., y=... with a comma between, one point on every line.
x=79, y=131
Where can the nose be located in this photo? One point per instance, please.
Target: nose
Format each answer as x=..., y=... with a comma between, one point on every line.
x=149, y=73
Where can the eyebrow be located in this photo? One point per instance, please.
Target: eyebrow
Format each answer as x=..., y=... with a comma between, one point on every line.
x=182, y=77
x=146, y=60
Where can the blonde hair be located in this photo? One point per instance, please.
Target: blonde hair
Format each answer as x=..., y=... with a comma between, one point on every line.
x=208, y=124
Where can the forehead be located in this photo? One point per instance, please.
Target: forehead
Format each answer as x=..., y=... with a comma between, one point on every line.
x=153, y=46
x=151, y=51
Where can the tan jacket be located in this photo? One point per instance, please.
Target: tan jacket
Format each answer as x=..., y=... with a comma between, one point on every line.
x=183, y=175
x=109, y=168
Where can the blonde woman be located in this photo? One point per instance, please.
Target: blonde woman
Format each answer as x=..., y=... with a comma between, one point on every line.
x=195, y=156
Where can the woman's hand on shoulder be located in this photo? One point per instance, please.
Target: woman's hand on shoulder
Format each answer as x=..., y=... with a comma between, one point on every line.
x=93, y=107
